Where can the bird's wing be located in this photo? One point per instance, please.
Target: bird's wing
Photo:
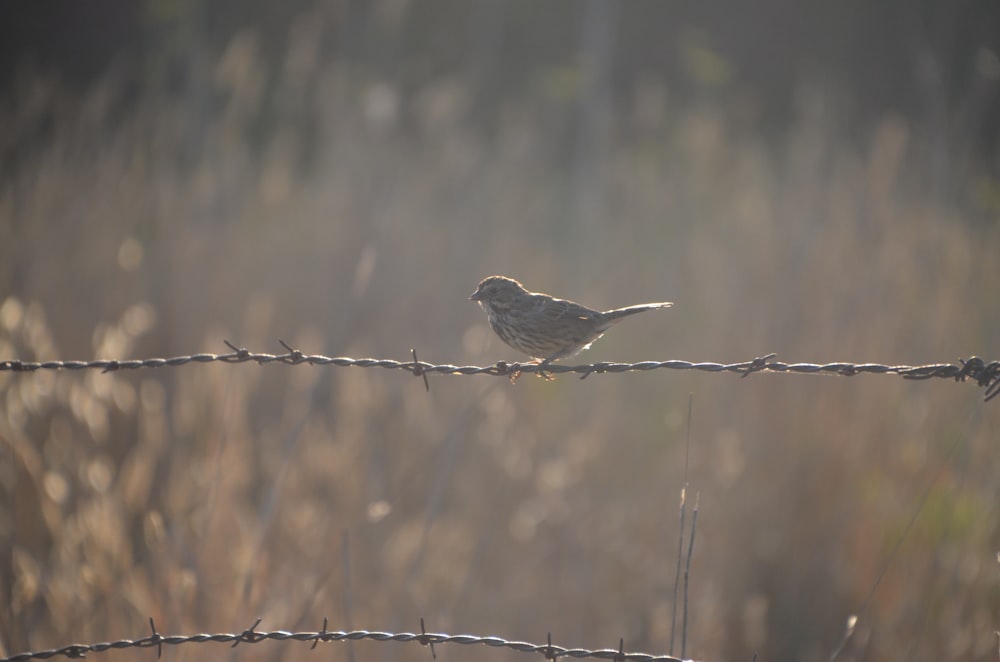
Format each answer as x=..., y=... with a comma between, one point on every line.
x=553, y=310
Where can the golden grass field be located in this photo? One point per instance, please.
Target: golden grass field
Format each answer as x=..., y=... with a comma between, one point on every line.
x=356, y=222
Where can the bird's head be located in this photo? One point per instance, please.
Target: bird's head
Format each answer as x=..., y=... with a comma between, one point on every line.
x=498, y=292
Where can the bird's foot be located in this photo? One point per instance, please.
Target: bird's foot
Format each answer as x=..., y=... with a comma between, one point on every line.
x=541, y=372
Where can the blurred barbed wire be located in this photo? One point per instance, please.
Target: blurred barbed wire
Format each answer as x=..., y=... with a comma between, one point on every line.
x=252, y=636
x=985, y=374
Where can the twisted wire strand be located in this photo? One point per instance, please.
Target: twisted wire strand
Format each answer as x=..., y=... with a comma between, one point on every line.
x=985, y=374
x=252, y=636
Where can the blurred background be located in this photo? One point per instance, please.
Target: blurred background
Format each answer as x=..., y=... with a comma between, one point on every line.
x=818, y=180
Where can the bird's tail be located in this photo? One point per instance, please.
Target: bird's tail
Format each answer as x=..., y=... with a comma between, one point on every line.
x=619, y=313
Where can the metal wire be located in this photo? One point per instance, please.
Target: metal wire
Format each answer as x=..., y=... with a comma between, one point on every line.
x=985, y=374
x=252, y=636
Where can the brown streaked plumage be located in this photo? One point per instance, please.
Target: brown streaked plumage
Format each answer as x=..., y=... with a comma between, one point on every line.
x=542, y=326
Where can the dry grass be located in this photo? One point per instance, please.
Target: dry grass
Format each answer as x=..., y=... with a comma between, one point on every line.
x=208, y=495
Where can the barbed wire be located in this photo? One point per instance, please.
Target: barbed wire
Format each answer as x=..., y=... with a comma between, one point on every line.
x=985, y=374
x=252, y=636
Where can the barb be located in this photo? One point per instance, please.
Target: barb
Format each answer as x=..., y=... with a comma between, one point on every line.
x=985, y=374
x=253, y=636
x=425, y=640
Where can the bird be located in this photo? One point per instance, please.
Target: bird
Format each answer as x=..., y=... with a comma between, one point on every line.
x=544, y=327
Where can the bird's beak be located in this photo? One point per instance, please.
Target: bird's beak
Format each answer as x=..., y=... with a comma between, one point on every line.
x=476, y=296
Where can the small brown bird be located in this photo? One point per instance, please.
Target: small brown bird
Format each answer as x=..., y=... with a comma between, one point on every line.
x=544, y=327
